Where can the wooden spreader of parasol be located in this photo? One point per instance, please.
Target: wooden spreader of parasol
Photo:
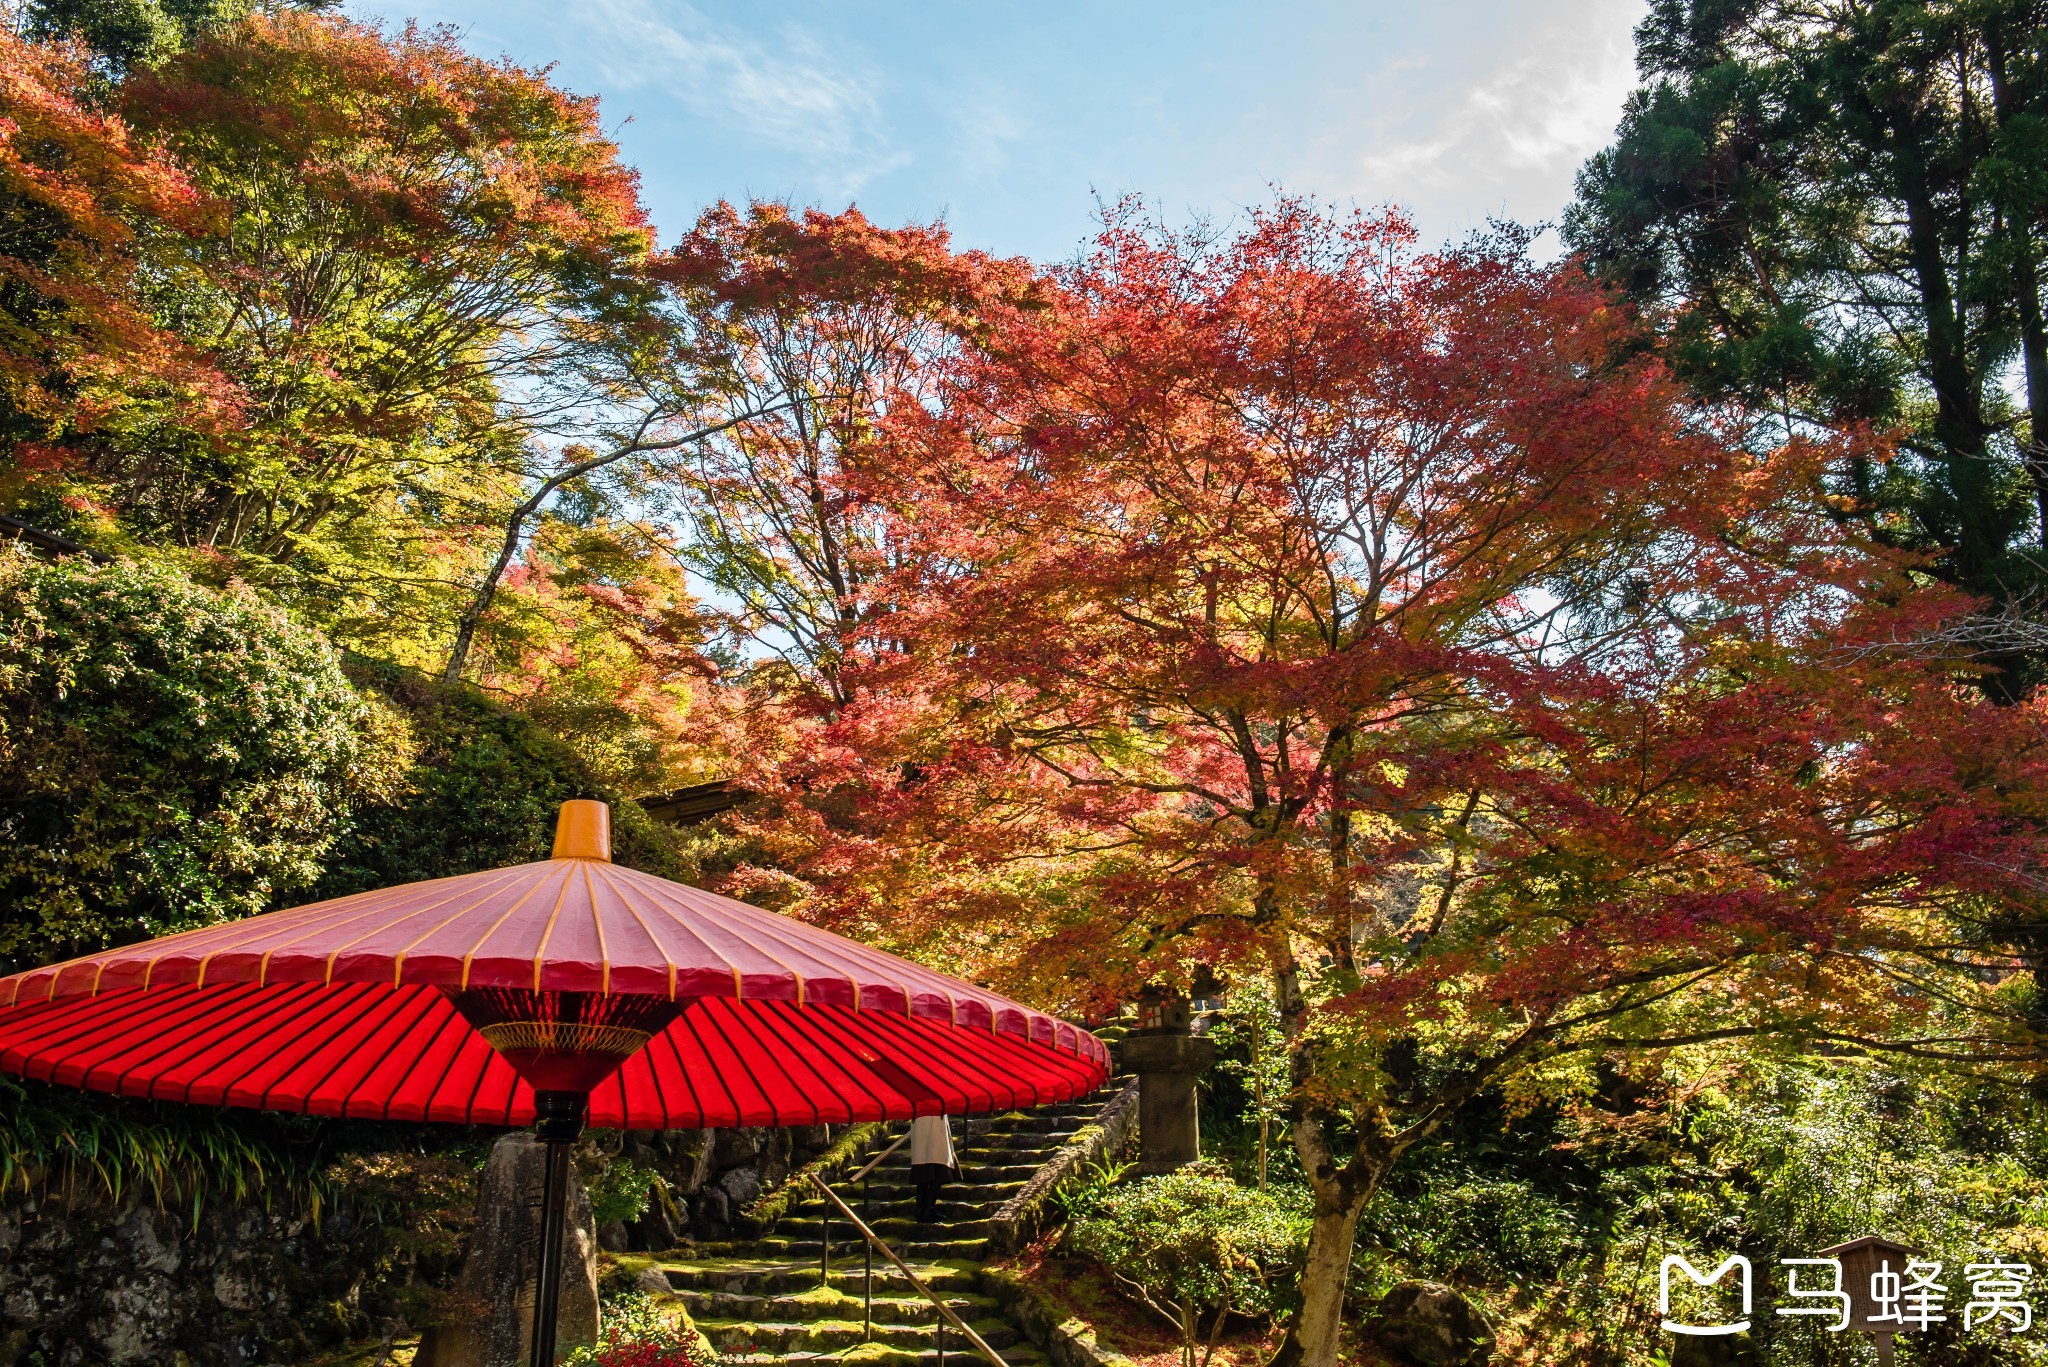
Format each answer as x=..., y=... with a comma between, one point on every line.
x=557, y=993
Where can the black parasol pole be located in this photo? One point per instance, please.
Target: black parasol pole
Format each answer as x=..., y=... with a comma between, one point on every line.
x=558, y=1119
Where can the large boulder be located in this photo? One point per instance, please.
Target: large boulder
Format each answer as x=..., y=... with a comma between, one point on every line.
x=656, y=1230
x=1429, y=1324
x=742, y=1187
x=711, y=1215
x=490, y=1315
x=738, y=1147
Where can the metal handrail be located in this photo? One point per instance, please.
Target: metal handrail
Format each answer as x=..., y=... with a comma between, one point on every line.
x=876, y=1161
x=867, y=1328
x=875, y=1241
x=825, y=1241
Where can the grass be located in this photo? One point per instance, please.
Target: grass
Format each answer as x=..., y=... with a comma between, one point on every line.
x=826, y=1295
x=91, y=1148
x=875, y=1353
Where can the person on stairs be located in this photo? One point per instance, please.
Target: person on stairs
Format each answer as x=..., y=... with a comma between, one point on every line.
x=932, y=1164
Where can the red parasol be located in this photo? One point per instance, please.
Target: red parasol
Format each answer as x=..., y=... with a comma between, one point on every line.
x=551, y=992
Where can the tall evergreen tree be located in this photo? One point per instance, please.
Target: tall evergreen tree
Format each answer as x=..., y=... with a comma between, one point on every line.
x=1836, y=212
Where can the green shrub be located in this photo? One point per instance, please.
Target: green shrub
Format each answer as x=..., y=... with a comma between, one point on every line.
x=1829, y=1153
x=1560, y=1228
x=408, y=1214
x=1077, y=1197
x=1463, y=1225
x=169, y=756
x=413, y=1188
x=93, y=1150
x=621, y=1189
x=481, y=790
x=1193, y=1241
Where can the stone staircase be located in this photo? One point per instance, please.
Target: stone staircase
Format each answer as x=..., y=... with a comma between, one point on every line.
x=778, y=1299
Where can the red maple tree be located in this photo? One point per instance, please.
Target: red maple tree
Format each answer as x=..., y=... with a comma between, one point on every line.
x=1383, y=621
x=805, y=329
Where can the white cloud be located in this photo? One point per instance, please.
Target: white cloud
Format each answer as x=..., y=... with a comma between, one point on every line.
x=985, y=129
x=784, y=91
x=1518, y=130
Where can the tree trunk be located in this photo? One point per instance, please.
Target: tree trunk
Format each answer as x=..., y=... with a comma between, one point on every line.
x=1259, y=1100
x=1253, y=1028
x=1312, y=1338
x=2027, y=281
x=1340, y=1191
x=1959, y=427
x=480, y=600
x=2034, y=366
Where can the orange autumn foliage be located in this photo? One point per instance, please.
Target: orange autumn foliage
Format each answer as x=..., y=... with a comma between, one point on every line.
x=74, y=336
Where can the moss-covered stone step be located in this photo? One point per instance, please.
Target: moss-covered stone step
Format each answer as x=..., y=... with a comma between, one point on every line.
x=973, y=1184
x=754, y=1337
x=1051, y=1120
x=897, y=1230
x=753, y=1276
x=972, y=1153
x=796, y=1249
x=1018, y=1142
x=833, y=1303
x=884, y=1355
x=897, y=1186
x=969, y=1148
x=985, y=1170
x=766, y=1301
x=955, y=1204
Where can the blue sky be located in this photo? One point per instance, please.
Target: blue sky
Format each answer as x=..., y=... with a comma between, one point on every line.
x=1008, y=120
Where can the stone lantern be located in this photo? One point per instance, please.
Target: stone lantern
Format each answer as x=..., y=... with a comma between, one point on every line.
x=1167, y=1057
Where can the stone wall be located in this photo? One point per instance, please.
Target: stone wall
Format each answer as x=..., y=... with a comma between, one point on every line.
x=712, y=1176
x=143, y=1285
x=243, y=1287
x=1020, y=1219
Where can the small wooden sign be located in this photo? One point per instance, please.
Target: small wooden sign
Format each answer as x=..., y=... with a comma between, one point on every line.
x=1867, y=1263
x=1874, y=1278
